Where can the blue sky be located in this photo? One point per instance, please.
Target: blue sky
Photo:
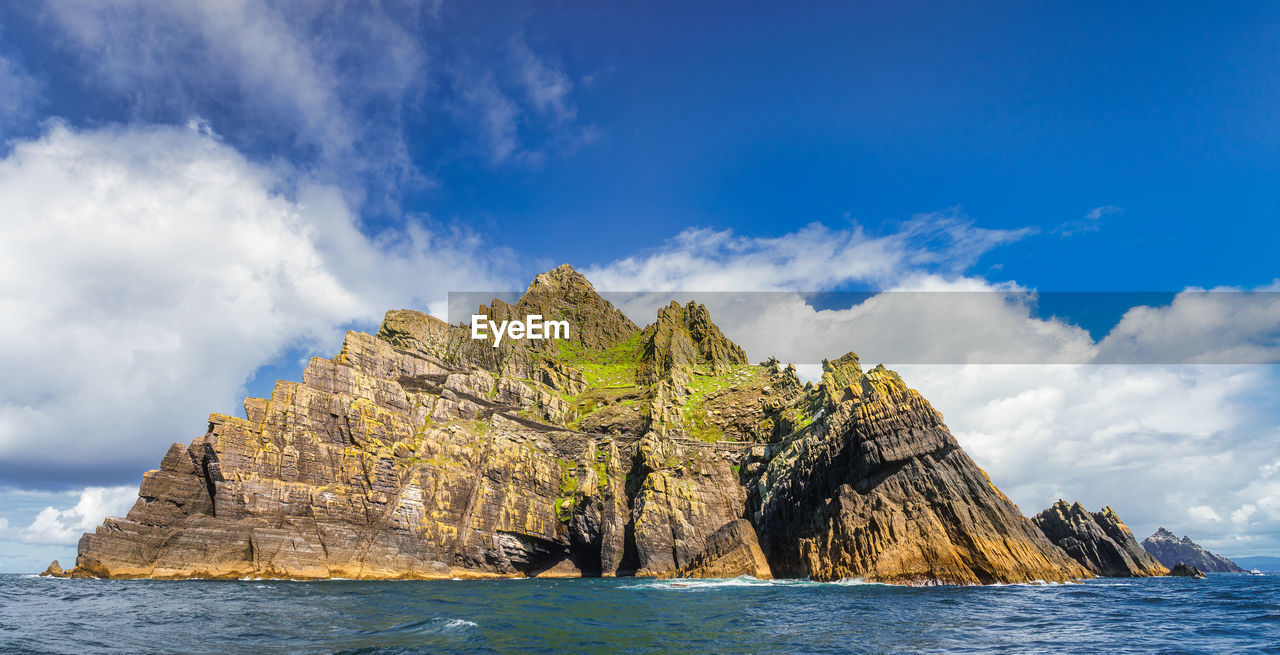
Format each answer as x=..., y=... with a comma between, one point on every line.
x=337, y=161
x=1021, y=114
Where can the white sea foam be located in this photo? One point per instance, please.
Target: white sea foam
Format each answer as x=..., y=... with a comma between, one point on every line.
x=700, y=584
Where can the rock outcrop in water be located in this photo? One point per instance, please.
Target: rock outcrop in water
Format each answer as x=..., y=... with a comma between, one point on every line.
x=1181, y=570
x=1099, y=541
x=54, y=571
x=1171, y=551
x=420, y=452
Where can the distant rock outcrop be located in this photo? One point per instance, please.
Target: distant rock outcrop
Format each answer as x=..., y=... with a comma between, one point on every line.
x=55, y=571
x=731, y=552
x=1171, y=551
x=1186, y=571
x=1099, y=541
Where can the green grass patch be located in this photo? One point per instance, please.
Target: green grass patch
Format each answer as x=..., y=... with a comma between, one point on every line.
x=613, y=367
x=568, y=489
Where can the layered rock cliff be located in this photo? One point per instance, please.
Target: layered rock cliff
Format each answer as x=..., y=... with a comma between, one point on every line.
x=1099, y=541
x=874, y=486
x=731, y=551
x=1172, y=551
x=420, y=452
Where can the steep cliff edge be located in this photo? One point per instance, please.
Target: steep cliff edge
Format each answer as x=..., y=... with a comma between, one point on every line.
x=420, y=452
x=1172, y=551
x=1099, y=541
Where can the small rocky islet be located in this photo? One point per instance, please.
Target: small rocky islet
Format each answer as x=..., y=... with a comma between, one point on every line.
x=1172, y=551
x=421, y=453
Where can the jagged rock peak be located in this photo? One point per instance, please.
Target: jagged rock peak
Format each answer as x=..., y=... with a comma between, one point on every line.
x=563, y=294
x=1099, y=541
x=684, y=339
x=1171, y=551
x=840, y=377
x=560, y=279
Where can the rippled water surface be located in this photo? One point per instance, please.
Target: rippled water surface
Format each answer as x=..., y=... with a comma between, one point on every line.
x=1226, y=613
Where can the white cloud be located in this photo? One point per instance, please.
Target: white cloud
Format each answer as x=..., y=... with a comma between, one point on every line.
x=1203, y=514
x=546, y=86
x=4, y=525
x=1242, y=513
x=146, y=272
x=813, y=258
x=1222, y=325
x=305, y=70
x=493, y=113
x=64, y=527
x=523, y=111
x=1091, y=222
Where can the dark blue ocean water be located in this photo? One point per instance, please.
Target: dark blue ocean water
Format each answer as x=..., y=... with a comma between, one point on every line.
x=1226, y=613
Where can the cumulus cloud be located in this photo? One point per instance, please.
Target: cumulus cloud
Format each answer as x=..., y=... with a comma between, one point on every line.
x=4, y=525
x=147, y=271
x=304, y=70
x=64, y=527
x=1220, y=326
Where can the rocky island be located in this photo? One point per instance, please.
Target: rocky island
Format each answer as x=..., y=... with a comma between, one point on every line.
x=1100, y=541
x=421, y=453
x=1172, y=551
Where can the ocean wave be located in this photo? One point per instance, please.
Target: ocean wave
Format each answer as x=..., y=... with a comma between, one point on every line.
x=687, y=584
x=429, y=625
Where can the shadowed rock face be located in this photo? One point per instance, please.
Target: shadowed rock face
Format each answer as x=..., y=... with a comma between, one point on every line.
x=730, y=552
x=878, y=489
x=1171, y=551
x=423, y=453
x=1100, y=541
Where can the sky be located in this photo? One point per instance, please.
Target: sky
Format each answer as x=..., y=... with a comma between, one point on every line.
x=196, y=197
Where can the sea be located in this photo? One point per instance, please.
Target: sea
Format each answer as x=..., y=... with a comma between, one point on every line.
x=1226, y=613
